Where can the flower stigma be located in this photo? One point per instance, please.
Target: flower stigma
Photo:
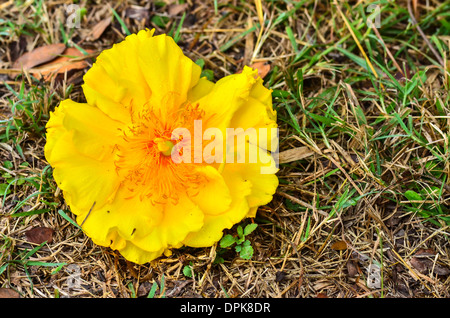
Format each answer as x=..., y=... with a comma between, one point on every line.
x=164, y=146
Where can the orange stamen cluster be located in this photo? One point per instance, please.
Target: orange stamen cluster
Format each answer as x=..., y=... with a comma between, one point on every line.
x=144, y=158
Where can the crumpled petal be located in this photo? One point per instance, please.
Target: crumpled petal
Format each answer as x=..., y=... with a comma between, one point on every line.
x=116, y=83
x=143, y=70
x=226, y=97
x=212, y=229
x=84, y=172
x=251, y=185
x=214, y=195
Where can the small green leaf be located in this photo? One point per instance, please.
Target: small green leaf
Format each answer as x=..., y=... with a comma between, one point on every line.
x=227, y=241
x=240, y=231
x=246, y=251
x=159, y=21
x=8, y=164
x=240, y=240
x=200, y=62
x=187, y=271
x=209, y=74
x=250, y=228
x=218, y=260
x=413, y=196
x=4, y=189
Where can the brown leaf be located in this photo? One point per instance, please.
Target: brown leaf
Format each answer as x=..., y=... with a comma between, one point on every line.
x=39, y=55
x=175, y=9
x=295, y=154
x=339, y=246
x=98, y=29
x=353, y=269
x=423, y=263
x=62, y=64
x=8, y=293
x=39, y=235
x=279, y=276
x=425, y=252
x=17, y=48
x=137, y=12
x=262, y=67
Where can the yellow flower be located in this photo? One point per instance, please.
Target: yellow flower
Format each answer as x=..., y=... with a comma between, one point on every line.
x=135, y=184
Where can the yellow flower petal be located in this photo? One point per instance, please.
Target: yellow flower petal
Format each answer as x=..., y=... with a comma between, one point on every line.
x=126, y=218
x=264, y=95
x=140, y=71
x=257, y=113
x=214, y=225
x=83, y=178
x=261, y=176
x=137, y=255
x=201, y=89
x=177, y=222
x=213, y=196
x=212, y=230
x=227, y=96
x=250, y=186
x=116, y=83
x=94, y=134
x=134, y=226
x=167, y=71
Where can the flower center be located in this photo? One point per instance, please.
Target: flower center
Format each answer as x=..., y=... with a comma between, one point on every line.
x=144, y=157
x=164, y=146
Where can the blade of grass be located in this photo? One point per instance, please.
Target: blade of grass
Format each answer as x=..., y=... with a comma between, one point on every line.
x=28, y=213
x=237, y=38
x=68, y=218
x=355, y=38
x=177, y=35
x=122, y=24
x=152, y=292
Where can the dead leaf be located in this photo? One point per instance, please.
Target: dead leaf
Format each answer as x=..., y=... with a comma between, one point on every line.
x=39, y=235
x=17, y=48
x=295, y=154
x=175, y=9
x=39, y=56
x=353, y=269
x=339, y=246
x=8, y=293
x=441, y=270
x=62, y=64
x=262, y=67
x=423, y=262
x=279, y=276
x=137, y=12
x=98, y=29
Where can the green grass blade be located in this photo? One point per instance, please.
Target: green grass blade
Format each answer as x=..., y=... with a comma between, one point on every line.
x=122, y=24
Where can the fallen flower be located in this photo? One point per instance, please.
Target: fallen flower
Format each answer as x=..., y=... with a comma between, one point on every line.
x=112, y=156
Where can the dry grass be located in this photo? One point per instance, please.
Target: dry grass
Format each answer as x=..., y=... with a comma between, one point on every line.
x=356, y=141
